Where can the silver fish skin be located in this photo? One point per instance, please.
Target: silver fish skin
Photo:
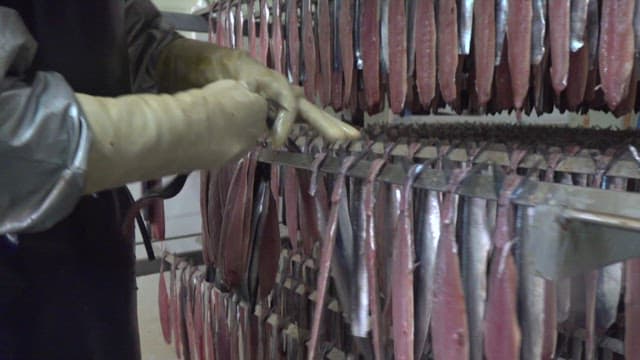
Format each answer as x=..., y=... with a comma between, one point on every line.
x=609, y=287
x=356, y=34
x=465, y=26
x=608, y=295
x=563, y=290
x=538, y=30
x=342, y=266
x=411, y=35
x=360, y=293
x=476, y=245
x=384, y=38
x=579, y=10
x=426, y=249
x=530, y=291
x=593, y=31
x=502, y=13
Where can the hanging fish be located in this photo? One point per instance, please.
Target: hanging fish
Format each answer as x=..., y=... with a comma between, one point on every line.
x=337, y=75
x=447, y=49
x=398, y=61
x=465, y=26
x=519, y=37
x=264, y=32
x=484, y=43
x=370, y=41
x=326, y=256
x=502, y=338
x=251, y=30
x=502, y=16
x=309, y=51
x=427, y=237
x=616, y=49
x=164, y=304
x=559, y=33
x=293, y=41
x=530, y=291
x=345, y=25
x=425, y=57
x=476, y=245
x=402, y=272
x=579, y=10
x=276, y=38
x=323, y=22
x=449, y=330
x=538, y=31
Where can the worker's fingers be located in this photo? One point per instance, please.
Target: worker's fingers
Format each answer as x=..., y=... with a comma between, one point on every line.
x=328, y=126
x=275, y=88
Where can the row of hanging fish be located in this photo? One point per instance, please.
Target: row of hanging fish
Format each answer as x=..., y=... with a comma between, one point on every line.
x=417, y=56
x=383, y=270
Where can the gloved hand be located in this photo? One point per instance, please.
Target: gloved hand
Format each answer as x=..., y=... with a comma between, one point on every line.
x=141, y=137
x=186, y=63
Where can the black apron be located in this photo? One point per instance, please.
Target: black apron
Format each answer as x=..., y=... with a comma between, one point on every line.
x=69, y=292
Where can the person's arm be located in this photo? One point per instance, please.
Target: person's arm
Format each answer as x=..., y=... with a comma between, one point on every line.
x=147, y=35
x=164, y=61
x=44, y=137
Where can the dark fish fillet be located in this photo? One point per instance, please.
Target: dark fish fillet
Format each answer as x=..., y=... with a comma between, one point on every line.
x=324, y=49
x=337, y=96
x=309, y=51
x=291, y=189
x=578, y=75
x=616, y=49
x=374, y=303
x=345, y=25
x=519, y=49
x=425, y=51
x=370, y=41
x=198, y=316
x=269, y=252
x=293, y=41
x=398, y=55
x=204, y=198
x=632, y=308
x=253, y=49
x=484, y=43
x=559, y=33
x=503, y=96
x=449, y=322
x=325, y=257
x=220, y=33
x=239, y=27
x=276, y=40
x=309, y=228
x=447, y=49
x=264, y=32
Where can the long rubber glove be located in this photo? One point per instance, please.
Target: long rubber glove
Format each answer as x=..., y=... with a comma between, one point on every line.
x=186, y=63
x=141, y=137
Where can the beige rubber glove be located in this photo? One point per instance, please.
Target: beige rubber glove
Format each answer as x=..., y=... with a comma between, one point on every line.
x=186, y=63
x=141, y=137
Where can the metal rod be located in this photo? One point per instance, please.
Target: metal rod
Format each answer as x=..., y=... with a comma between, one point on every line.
x=580, y=163
x=611, y=208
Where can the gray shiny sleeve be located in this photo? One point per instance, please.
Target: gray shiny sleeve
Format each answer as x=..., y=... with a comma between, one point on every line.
x=147, y=35
x=44, y=138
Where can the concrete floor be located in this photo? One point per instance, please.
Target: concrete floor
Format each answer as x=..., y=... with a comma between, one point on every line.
x=152, y=343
